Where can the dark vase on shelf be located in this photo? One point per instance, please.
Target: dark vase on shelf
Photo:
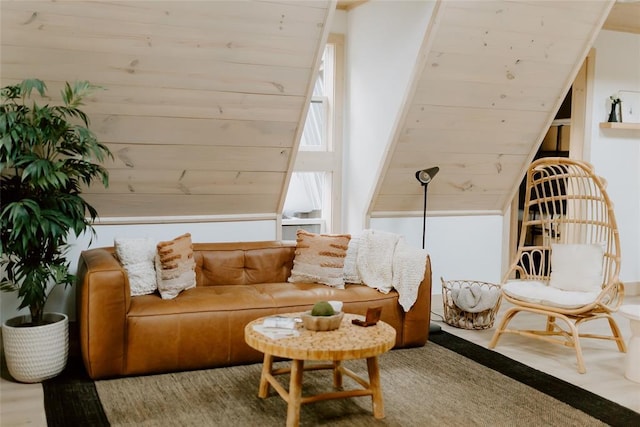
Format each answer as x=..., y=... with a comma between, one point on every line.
x=613, y=115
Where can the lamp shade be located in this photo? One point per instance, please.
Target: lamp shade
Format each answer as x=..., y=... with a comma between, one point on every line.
x=425, y=176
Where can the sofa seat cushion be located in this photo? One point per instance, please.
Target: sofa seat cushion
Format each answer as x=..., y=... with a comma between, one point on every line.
x=202, y=299
x=297, y=294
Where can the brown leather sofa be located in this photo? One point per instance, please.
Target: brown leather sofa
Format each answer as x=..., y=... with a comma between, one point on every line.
x=203, y=327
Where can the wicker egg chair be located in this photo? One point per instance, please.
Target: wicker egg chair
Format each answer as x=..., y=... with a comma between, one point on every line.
x=568, y=258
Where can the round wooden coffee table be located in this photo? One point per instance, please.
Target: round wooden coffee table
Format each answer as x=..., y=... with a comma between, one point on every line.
x=347, y=342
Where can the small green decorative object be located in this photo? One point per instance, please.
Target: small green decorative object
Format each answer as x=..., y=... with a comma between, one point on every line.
x=322, y=308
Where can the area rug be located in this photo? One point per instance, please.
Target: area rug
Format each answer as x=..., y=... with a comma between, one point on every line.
x=439, y=384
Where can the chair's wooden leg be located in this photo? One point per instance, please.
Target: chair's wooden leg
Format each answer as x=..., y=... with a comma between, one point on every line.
x=506, y=318
x=581, y=367
x=575, y=339
x=622, y=346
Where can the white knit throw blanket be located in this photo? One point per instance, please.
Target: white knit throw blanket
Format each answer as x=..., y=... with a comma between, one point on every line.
x=409, y=264
x=375, y=259
x=385, y=262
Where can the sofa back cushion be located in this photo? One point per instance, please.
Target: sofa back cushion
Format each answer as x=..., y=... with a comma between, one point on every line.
x=243, y=264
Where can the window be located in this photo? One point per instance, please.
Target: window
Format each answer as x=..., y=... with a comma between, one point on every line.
x=313, y=195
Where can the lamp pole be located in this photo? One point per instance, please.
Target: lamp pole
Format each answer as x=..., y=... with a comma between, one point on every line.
x=424, y=216
x=424, y=177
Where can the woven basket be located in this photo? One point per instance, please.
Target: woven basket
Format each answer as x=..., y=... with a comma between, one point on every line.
x=36, y=353
x=455, y=316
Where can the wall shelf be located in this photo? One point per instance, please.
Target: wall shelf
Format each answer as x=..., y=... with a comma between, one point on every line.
x=618, y=125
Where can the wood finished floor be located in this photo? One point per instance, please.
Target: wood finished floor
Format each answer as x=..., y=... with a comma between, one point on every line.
x=22, y=404
x=604, y=363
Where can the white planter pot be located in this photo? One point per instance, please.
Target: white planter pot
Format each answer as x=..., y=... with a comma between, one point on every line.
x=36, y=353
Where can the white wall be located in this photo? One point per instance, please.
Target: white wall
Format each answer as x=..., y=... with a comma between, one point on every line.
x=383, y=38
x=461, y=247
x=339, y=22
x=615, y=154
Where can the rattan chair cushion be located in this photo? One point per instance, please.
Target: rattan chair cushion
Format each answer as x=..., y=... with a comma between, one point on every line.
x=536, y=292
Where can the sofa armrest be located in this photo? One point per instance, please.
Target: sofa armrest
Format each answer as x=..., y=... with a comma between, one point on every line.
x=103, y=300
x=415, y=330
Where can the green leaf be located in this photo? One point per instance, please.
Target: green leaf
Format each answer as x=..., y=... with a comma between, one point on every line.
x=28, y=85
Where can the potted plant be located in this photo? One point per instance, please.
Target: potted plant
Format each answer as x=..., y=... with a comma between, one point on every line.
x=47, y=153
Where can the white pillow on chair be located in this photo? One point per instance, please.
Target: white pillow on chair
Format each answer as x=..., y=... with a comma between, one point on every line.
x=576, y=267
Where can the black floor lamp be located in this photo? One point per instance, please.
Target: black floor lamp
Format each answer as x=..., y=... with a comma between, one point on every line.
x=425, y=176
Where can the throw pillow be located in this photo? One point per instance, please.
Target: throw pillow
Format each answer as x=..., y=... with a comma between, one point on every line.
x=137, y=258
x=175, y=266
x=576, y=267
x=319, y=258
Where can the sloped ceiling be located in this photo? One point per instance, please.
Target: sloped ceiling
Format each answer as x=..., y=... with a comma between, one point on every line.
x=202, y=99
x=492, y=77
x=624, y=17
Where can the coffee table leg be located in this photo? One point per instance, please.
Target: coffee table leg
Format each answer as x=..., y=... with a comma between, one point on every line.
x=374, y=381
x=267, y=365
x=337, y=374
x=295, y=393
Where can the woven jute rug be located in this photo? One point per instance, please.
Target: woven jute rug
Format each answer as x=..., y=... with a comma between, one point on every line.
x=421, y=387
x=448, y=382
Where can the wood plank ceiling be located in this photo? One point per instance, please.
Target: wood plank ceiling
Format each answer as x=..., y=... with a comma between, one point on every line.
x=624, y=17
x=203, y=99
x=492, y=78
